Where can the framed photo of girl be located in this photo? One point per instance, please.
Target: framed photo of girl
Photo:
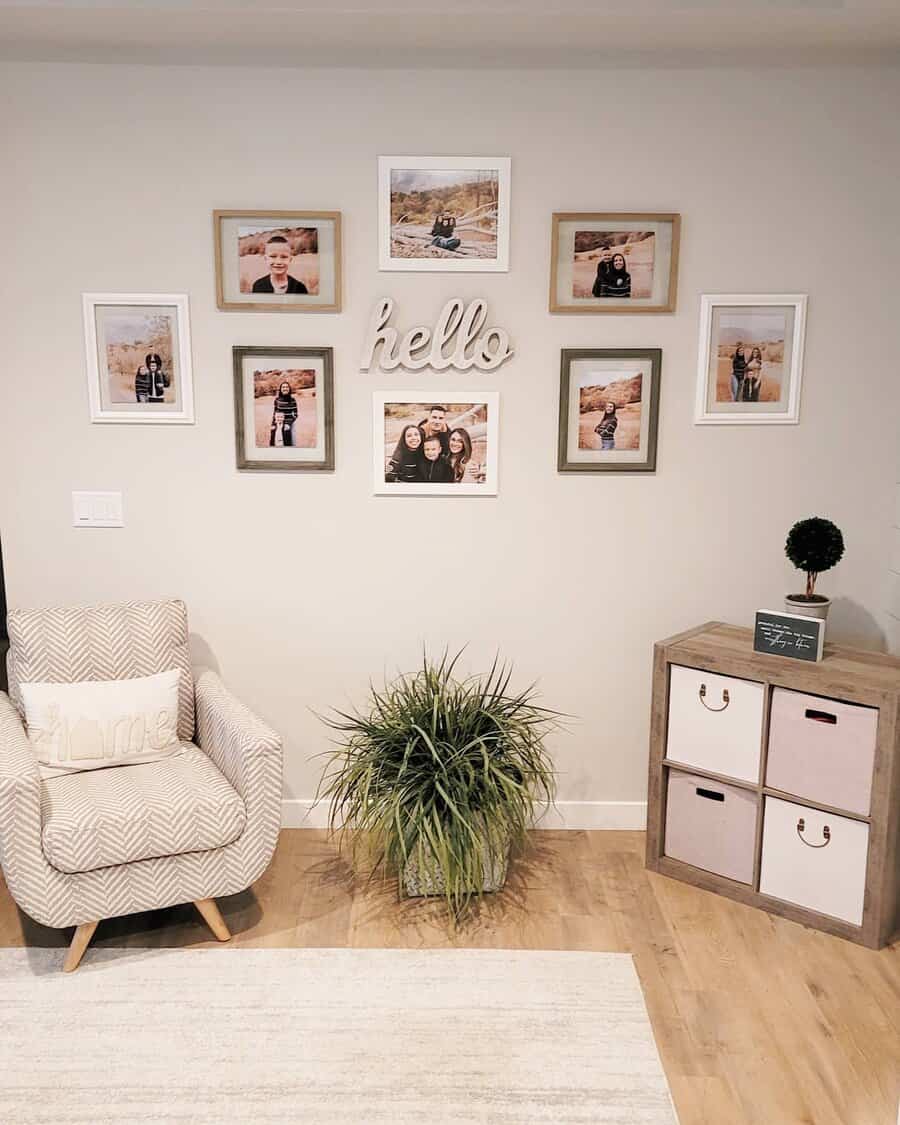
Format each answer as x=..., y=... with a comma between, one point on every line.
x=284, y=408
x=138, y=353
x=614, y=263
x=444, y=444
x=750, y=359
x=443, y=213
x=608, y=410
x=278, y=261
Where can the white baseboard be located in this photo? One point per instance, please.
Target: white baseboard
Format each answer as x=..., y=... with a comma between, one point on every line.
x=571, y=815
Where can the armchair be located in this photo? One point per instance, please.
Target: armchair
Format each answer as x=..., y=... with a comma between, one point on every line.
x=87, y=846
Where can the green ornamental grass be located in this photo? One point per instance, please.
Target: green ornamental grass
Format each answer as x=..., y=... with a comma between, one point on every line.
x=442, y=772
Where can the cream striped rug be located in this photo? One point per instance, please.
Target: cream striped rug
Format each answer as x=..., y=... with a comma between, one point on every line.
x=330, y=1036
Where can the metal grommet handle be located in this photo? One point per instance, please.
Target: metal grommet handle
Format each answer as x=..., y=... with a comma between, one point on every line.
x=726, y=699
x=826, y=833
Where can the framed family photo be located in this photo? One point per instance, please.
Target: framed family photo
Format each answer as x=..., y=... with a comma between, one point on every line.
x=614, y=263
x=278, y=261
x=750, y=359
x=608, y=410
x=440, y=445
x=138, y=353
x=284, y=408
x=443, y=213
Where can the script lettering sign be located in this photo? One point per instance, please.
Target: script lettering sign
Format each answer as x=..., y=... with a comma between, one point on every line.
x=458, y=340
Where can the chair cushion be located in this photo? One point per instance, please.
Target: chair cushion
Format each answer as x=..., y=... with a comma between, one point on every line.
x=108, y=817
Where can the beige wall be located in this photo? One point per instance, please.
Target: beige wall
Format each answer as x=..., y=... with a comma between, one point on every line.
x=301, y=587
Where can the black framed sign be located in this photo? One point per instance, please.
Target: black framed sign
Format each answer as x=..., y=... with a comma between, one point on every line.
x=789, y=634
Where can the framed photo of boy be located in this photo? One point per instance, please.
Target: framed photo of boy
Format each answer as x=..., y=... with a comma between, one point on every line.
x=278, y=261
x=445, y=214
x=608, y=410
x=284, y=408
x=444, y=444
x=614, y=263
x=138, y=357
x=750, y=359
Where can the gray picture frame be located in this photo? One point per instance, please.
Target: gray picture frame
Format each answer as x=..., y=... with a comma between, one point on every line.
x=326, y=355
x=567, y=357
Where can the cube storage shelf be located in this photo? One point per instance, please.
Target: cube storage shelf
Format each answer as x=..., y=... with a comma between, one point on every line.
x=776, y=782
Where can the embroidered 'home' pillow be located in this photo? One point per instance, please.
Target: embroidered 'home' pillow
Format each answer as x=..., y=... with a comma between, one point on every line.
x=98, y=723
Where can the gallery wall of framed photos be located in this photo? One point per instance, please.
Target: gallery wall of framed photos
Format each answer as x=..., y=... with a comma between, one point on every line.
x=260, y=493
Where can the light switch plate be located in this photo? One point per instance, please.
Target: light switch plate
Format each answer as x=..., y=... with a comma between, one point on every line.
x=97, y=509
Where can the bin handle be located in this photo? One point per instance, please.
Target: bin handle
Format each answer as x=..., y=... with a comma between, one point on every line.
x=726, y=699
x=826, y=833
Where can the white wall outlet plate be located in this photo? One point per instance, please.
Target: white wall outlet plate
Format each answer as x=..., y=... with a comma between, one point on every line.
x=97, y=509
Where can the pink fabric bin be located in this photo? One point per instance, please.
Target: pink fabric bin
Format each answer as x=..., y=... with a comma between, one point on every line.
x=822, y=749
x=711, y=825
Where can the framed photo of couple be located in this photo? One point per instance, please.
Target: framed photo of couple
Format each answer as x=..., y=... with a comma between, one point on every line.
x=138, y=353
x=444, y=444
x=284, y=408
x=278, y=261
x=750, y=359
x=614, y=263
x=608, y=410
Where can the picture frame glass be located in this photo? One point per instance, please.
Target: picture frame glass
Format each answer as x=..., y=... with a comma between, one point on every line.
x=138, y=359
x=610, y=263
x=286, y=261
x=749, y=360
x=609, y=411
x=439, y=445
x=284, y=408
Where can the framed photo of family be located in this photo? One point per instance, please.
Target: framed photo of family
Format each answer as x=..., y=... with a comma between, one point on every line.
x=138, y=353
x=436, y=445
x=443, y=213
x=608, y=410
x=284, y=408
x=614, y=263
x=750, y=359
x=278, y=261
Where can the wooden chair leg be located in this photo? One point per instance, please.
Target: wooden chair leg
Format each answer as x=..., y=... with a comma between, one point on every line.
x=213, y=919
x=80, y=942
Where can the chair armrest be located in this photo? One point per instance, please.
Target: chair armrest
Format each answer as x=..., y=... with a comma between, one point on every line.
x=237, y=741
x=20, y=799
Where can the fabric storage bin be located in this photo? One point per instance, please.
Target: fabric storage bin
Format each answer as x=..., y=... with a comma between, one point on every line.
x=715, y=722
x=711, y=825
x=822, y=749
x=814, y=859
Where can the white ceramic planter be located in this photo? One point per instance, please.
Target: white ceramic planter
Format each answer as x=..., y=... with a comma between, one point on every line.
x=417, y=883
x=797, y=603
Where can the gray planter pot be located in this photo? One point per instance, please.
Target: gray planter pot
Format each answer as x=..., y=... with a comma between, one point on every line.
x=418, y=883
x=799, y=603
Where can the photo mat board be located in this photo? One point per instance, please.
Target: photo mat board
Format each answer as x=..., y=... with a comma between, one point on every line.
x=750, y=359
x=138, y=357
x=275, y=261
x=614, y=263
x=418, y=449
x=443, y=213
x=608, y=409
x=284, y=408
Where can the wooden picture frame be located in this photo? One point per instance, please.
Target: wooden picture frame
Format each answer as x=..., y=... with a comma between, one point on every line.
x=122, y=331
x=574, y=455
x=230, y=226
x=652, y=285
x=723, y=316
x=306, y=457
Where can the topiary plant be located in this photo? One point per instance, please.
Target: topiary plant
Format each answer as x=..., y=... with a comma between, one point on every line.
x=814, y=545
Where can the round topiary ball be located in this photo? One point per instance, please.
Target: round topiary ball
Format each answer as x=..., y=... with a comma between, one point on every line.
x=814, y=545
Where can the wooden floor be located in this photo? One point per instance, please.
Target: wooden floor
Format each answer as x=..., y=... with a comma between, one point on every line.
x=758, y=1020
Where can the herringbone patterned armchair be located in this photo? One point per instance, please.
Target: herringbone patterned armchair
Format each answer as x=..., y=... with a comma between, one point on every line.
x=82, y=847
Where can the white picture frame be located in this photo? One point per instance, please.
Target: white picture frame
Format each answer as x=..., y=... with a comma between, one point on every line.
x=113, y=391
x=484, y=429
x=722, y=316
x=464, y=259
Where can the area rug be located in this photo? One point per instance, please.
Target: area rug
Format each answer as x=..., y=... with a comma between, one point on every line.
x=327, y=1037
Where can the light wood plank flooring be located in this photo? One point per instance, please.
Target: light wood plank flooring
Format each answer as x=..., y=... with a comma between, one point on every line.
x=758, y=1020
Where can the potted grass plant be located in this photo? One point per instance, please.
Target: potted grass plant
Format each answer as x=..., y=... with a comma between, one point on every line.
x=440, y=778
x=813, y=546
